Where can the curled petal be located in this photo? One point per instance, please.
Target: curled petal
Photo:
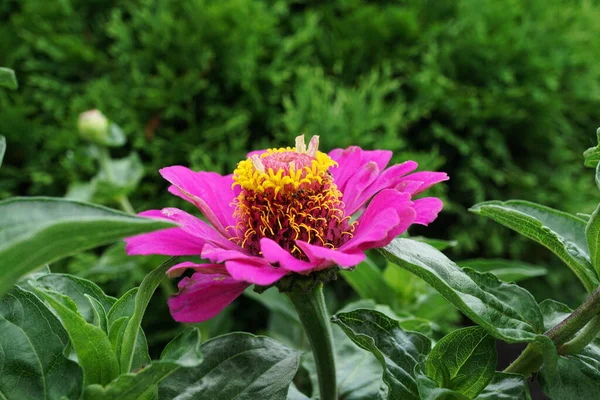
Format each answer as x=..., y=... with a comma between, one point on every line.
x=354, y=158
x=420, y=181
x=210, y=192
x=427, y=209
x=170, y=241
x=389, y=214
x=252, y=272
x=326, y=257
x=274, y=254
x=203, y=296
x=217, y=254
x=178, y=270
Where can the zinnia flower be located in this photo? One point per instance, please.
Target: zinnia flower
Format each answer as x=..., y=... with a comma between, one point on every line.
x=283, y=211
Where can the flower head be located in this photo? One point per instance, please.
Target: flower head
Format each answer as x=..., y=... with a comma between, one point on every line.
x=93, y=126
x=288, y=211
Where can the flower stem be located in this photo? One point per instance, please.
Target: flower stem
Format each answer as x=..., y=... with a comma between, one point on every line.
x=315, y=320
x=531, y=359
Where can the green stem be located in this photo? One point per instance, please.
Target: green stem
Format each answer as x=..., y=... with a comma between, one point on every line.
x=585, y=337
x=315, y=320
x=125, y=204
x=531, y=359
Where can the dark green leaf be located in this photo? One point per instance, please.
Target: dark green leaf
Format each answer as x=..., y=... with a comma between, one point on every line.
x=142, y=299
x=237, y=365
x=32, y=342
x=367, y=280
x=397, y=351
x=505, y=310
x=8, y=79
x=464, y=361
x=358, y=372
x=506, y=387
x=181, y=352
x=505, y=270
x=592, y=235
x=592, y=155
x=98, y=361
x=560, y=232
x=37, y=231
x=439, y=244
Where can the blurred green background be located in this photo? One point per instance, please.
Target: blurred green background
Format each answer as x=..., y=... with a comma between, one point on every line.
x=504, y=95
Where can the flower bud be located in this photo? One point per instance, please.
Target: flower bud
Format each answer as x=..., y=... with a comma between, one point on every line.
x=93, y=126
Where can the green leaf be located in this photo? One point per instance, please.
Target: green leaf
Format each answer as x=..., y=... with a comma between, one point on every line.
x=117, y=316
x=117, y=178
x=438, y=244
x=8, y=79
x=367, y=280
x=98, y=361
x=2, y=148
x=116, y=136
x=237, y=366
x=397, y=351
x=464, y=361
x=592, y=155
x=507, y=311
x=100, y=319
x=181, y=352
x=295, y=394
x=358, y=372
x=592, y=235
x=142, y=299
x=32, y=342
x=560, y=232
x=506, y=387
x=429, y=389
x=76, y=289
x=569, y=377
x=36, y=231
x=505, y=270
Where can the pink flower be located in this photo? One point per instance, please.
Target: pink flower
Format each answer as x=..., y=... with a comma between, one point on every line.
x=283, y=211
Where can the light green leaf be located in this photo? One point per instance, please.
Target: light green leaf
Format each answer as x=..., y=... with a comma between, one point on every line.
x=295, y=394
x=2, y=148
x=505, y=270
x=116, y=136
x=464, y=361
x=32, y=342
x=100, y=319
x=118, y=178
x=506, y=387
x=8, y=79
x=36, y=231
x=438, y=244
x=429, y=389
x=142, y=299
x=397, y=351
x=76, y=289
x=507, y=311
x=592, y=155
x=592, y=235
x=237, y=366
x=560, y=232
x=124, y=309
x=367, y=280
x=181, y=352
x=98, y=361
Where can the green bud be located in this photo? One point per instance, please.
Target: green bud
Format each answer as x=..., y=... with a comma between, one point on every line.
x=94, y=126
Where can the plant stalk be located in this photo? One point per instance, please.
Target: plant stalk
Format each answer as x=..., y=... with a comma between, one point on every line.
x=313, y=315
x=531, y=359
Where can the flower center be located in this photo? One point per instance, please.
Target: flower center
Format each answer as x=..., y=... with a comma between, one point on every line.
x=288, y=194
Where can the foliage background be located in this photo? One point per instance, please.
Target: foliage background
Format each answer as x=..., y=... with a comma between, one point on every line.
x=502, y=94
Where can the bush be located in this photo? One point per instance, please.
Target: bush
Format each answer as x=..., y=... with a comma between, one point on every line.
x=491, y=91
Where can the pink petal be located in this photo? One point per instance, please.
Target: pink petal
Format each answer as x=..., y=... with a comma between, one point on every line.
x=420, y=181
x=326, y=257
x=209, y=191
x=354, y=158
x=389, y=214
x=170, y=241
x=202, y=296
x=196, y=227
x=256, y=152
x=275, y=255
x=178, y=270
x=248, y=271
x=427, y=209
x=218, y=254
